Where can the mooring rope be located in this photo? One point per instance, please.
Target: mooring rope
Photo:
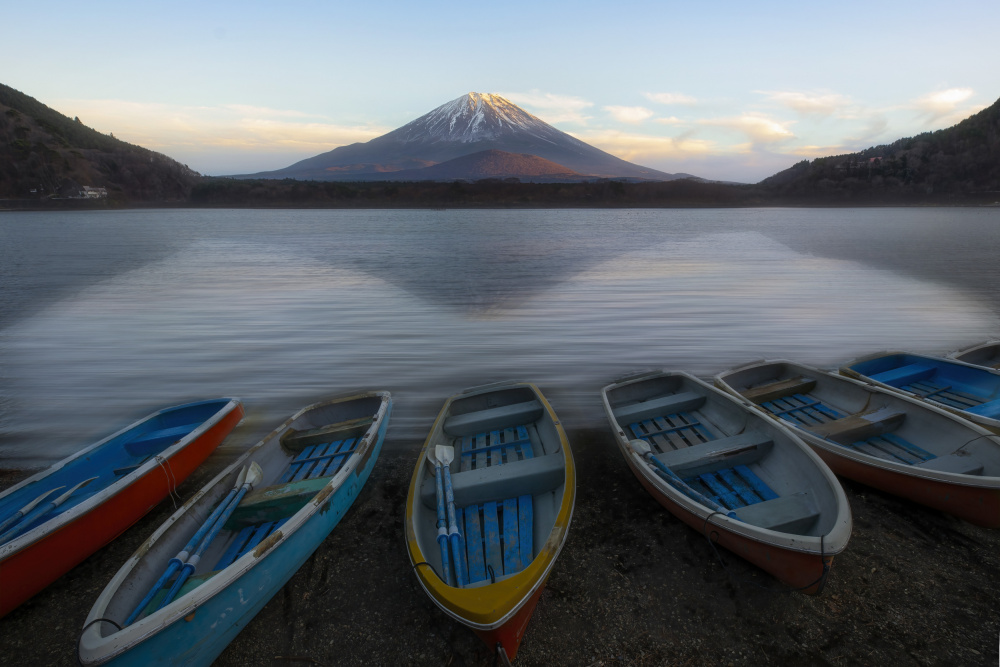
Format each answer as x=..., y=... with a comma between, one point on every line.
x=171, y=479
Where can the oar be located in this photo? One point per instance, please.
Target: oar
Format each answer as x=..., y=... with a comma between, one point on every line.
x=446, y=454
x=27, y=508
x=641, y=447
x=254, y=475
x=177, y=561
x=442, y=521
x=30, y=519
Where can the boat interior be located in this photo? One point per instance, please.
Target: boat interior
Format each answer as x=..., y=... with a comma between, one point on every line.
x=295, y=466
x=107, y=463
x=721, y=452
x=862, y=419
x=952, y=385
x=508, y=475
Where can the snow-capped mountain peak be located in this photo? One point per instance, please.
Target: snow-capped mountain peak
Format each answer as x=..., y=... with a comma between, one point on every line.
x=471, y=118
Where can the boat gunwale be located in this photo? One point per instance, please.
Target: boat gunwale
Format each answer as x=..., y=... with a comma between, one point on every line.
x=96, y=644
x=41, y=531
x=858, y=456
x=534, y=575
x=829, y=544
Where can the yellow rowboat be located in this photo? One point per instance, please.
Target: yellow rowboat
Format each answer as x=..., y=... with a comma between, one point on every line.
x=483, y=545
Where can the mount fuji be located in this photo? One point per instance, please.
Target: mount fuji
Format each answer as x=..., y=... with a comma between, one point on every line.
x=471, y=124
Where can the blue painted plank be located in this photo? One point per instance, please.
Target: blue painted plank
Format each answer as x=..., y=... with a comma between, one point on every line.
x=742, y=489
x=234, y=548
x=491, y=538
x=293, y=469
x=511, y=548
x=474, y=544
x=919, y=452
x=525, y=529
x=720, y=492
x=762, y=489
x=465, y=446
x=343, y=452
x=526, y=450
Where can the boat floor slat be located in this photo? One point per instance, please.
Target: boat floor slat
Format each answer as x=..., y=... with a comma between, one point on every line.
x=733, y=487
x=944, y=394
x=497, y=535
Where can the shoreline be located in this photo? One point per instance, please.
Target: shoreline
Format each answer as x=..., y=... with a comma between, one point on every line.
x=633, y=586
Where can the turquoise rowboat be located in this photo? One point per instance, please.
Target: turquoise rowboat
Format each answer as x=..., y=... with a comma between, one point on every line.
x=312, y=468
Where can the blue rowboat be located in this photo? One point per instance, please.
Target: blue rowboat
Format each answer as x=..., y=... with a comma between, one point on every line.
x=91, y=497
x=970, y=391
x=313, y=467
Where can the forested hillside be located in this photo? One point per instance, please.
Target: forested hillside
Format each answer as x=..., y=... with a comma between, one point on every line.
x=44, y=154
x=960, y=162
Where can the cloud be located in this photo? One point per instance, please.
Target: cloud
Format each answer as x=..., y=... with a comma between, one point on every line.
x=943, y=102
x=671, y=98
x=629, y=114
x=553, y=108
x=164, y=126
x=759, y=129
x=638, y=147
x=670, y=120
x=812, y=104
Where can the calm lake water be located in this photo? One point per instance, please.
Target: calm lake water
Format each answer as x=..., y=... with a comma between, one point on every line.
x=105, y=317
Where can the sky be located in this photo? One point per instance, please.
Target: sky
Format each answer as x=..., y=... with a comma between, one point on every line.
x=723, y=90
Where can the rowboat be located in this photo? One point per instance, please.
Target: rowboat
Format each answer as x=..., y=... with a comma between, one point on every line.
x=880, y=438
x=972, y=392
x=983, y=354
x=238, y=540
x=722, y=467
x=489, y=508
x=55, y=519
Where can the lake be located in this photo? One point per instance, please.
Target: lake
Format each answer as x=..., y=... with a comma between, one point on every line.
x=108, y=316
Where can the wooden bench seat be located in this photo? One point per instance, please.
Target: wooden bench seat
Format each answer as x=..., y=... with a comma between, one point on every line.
x=788, y=514
x=989, y=409
x=272, y=503
x=779, y=389
x=491, y=419
x=860, y=426
x=717, y=454
x=658, y=407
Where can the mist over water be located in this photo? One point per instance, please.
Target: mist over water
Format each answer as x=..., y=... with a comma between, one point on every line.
x=106, y=317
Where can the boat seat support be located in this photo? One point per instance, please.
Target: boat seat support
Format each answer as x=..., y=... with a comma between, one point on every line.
x=714, y=455
x=492, y=419
x=500, y=482
x=657, y=407
x=788, y=514
x=897, y=377
x=779, y=389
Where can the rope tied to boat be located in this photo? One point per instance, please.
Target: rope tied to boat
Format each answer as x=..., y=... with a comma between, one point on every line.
x=821, y=580
x=171, y=479
x=79, y=640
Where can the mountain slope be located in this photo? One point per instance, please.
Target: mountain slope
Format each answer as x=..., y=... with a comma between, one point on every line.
x=961, y=160
x=491, y=164
x=470, y=124
x=45, y=151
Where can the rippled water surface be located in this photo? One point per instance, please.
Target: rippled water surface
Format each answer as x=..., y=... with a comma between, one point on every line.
x=109, y=316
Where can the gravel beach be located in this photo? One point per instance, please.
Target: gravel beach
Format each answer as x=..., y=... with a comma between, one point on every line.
x=633, y=586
